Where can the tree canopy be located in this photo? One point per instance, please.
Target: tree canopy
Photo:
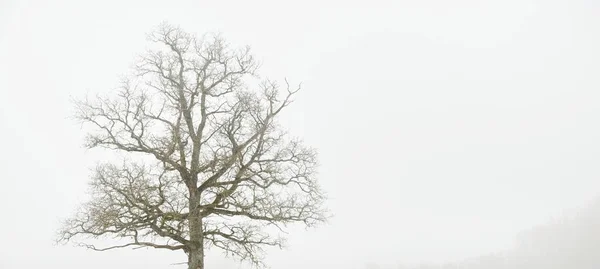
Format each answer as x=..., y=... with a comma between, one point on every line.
x=207, y=165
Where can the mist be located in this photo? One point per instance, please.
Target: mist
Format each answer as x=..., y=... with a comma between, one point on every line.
x=451, y=134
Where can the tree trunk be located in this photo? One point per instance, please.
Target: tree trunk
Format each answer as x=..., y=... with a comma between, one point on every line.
x=196, y=258
x=196, y=254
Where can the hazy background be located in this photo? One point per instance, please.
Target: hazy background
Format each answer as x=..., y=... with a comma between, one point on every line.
x=444, y=127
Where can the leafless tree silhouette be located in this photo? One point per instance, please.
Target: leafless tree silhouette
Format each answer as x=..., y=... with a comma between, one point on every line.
x=208, y=165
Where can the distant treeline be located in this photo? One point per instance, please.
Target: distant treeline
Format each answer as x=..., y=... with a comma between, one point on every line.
x=571, y=241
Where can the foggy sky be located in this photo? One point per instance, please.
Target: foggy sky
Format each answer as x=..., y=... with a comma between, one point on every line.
x=444, y=127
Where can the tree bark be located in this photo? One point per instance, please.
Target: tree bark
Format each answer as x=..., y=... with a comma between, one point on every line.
x=196, y=253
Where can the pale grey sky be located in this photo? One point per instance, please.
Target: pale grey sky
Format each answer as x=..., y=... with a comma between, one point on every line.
x=444, y=127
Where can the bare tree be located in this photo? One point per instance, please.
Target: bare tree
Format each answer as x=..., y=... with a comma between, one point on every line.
x=207, y=164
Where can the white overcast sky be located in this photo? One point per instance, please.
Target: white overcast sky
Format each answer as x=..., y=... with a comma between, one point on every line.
x=444, y=127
